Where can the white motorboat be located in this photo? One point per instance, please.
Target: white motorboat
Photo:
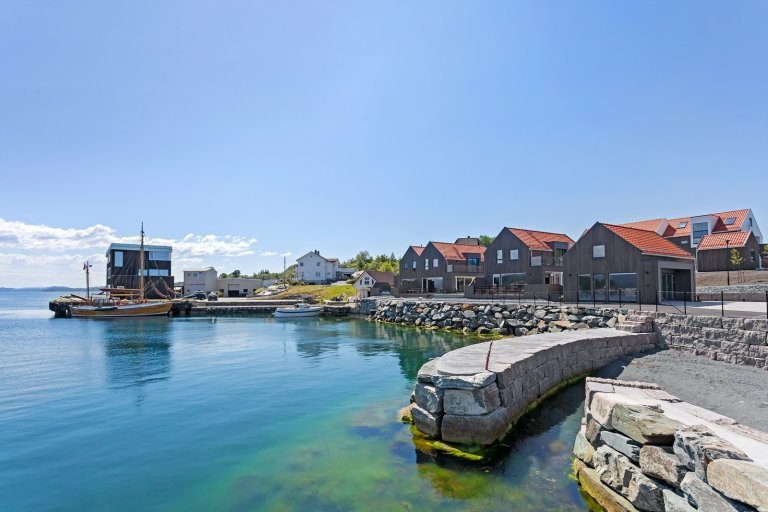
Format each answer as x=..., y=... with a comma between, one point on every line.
x=300, y=310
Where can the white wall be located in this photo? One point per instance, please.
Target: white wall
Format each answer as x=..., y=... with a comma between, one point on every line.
x=200, y=280
x=313, y=268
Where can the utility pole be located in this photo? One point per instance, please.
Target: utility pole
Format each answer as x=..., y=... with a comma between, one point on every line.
x=728, y=266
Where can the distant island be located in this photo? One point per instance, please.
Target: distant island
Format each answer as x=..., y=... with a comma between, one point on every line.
x=47, y=289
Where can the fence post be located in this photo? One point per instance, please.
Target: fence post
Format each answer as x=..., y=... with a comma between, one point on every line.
x=534, y=298
x=766, y=304
x=619, y=297
x=656, y=300
x=722, y=303
x=685, y=304
x=547, y=298
x=639, y=300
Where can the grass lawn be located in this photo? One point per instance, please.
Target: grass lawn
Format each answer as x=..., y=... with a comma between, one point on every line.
x=318, y=292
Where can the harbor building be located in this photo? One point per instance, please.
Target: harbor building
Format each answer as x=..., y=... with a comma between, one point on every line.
x=123, y=269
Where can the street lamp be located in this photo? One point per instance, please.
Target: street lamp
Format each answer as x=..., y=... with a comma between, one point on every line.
x=728, y=265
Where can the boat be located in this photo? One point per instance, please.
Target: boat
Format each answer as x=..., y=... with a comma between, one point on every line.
x=120, y=302
x=300, y=310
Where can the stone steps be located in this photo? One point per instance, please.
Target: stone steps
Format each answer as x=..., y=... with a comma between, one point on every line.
x=636, y=323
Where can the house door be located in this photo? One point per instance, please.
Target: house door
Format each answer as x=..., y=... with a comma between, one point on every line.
x=668, y=286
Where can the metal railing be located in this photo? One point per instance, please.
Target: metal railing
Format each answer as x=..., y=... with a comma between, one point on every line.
x=464, y=268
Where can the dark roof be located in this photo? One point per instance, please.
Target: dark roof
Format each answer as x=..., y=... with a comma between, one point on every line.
x=649, y=242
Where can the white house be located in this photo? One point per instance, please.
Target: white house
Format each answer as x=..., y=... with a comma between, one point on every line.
x=200, y=280
x=371, y=283
x=238, y=286
x=315, y=269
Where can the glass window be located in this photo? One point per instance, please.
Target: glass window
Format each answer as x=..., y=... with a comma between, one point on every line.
x=750, y=222
x=496, y=279
x=474, y=260
x=118, y=258
x=585, y=287
x=598, y=251
x=499, y=256
x=700, y=229
x=318, y=263
x=536, y=261
x=450, y=268
x=426, y=264
x=622, y=286
x=159, y=255
x=434, y=262
x=301, y=263
x=414, y=264
x=514, y=254
x=513, y=278
x=682, y=224
x=599, y=285
x=730, y=220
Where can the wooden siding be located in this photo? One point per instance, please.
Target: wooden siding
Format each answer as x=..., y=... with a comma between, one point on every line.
x=507, y=241
x=620, y=257
x=713, y=260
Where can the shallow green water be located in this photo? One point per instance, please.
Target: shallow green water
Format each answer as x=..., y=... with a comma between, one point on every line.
x=243, y=414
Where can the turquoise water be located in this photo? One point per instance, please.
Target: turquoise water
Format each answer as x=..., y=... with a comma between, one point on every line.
x=243, y=414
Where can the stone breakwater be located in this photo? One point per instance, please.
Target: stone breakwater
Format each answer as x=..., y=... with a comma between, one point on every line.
x=474, y=395
x=733, y=340
x=500, y=319
x=641, y=448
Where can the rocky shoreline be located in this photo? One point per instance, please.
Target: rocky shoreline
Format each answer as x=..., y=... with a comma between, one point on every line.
x=498, y=319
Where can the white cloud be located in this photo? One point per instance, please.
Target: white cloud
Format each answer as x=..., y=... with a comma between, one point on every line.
x=18, y=235
x=286, y=254
x=268, y=253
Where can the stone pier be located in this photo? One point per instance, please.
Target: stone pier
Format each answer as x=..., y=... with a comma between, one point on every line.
x=470, y=397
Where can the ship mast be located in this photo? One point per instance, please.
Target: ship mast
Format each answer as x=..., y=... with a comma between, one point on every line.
x=141, y=265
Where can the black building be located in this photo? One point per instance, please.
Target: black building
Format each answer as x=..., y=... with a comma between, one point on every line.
x=123, y=269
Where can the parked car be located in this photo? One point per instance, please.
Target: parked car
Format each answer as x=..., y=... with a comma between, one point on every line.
x=195, y=295
x=212, y=296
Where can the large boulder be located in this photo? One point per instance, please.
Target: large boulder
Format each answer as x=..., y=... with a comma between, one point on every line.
x=644, y=425
x=617, y=472
x=470, y=402
x=705, y=498
x=622, y=444
x=660, y=462
x=426, y=422
x=697, y=447
x=740, y=480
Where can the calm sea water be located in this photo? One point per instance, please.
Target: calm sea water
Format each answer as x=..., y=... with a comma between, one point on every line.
x=243, y=414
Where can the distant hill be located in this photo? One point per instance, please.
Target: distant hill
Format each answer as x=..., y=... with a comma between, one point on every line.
x=46, y=289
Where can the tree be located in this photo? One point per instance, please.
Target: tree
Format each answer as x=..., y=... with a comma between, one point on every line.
x=223, y=275
x=235, y=274
x=486, y=240
x=737, y=260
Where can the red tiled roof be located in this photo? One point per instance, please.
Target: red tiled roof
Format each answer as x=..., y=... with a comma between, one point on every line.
x=649, y=242
x=540, y=240
x=382, y=277
x=717, y=240
x=648, y=225
x=673, y=230
x=418, y=249
x=458, y=252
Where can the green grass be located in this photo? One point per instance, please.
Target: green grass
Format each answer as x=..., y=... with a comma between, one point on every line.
x=318, y=292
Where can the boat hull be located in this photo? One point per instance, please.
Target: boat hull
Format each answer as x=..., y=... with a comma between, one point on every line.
x=297, y=313
x=122, y=311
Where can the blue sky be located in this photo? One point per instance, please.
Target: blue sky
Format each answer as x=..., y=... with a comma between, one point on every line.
x=241, y=131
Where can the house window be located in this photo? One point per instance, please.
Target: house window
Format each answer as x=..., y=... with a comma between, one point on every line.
x=700, y=229
x=426, y=264
x=474, y=260
x=301, y=263
x=585, y=287
x=118, y=258
x=317, y=274
x=752, y=255
x=414, y=264
x=159, y=255
x=598, y=251
x=682, y=224
x=729, y=221
x=598, y=283
x=434, y=263
x=513, y=278
x=450, y=268
x=496, y=279
x=684, y=242
x=750, y=222
x=156, y=272
x=318, y=263
x=622, y=286
x=499, y=257
x=514, y=254
x=366, y=281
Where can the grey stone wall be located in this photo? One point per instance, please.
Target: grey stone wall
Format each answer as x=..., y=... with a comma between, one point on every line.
x=458, y=400
x=734, y=340
x=503, y=319
x=642, y=449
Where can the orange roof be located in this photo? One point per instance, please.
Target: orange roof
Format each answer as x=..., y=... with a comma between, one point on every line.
x=418, y=249
x=673, y=229
x=540, y=240
x=718, y=240
x=648, y=225
x=649, y=242
x=458, y=252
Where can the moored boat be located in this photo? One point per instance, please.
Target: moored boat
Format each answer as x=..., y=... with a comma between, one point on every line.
x=121, y=303
x=300, y=310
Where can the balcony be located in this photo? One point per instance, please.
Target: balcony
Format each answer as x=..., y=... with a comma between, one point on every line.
x=546, y=261
x=464, y=269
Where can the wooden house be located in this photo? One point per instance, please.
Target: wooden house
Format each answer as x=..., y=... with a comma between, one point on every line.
x=527, y=258
x=441, y=266
x=619, y=263
x=715, y=251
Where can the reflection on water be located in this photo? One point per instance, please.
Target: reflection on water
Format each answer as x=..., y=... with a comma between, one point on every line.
x=137, y=352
